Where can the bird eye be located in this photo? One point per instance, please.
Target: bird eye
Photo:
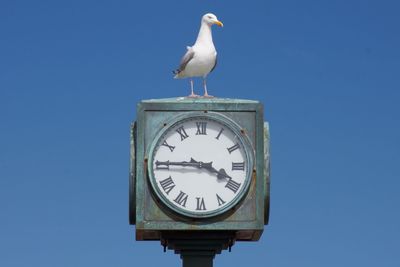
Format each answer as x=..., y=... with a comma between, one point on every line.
x=209, y=17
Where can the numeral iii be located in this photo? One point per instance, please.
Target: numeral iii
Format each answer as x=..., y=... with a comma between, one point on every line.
x=238, y=166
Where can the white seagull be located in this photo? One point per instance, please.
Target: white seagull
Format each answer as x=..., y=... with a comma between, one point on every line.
x=201, y=58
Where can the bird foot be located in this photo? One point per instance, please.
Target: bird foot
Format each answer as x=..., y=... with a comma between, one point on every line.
x=208, y=96
x=192, y=95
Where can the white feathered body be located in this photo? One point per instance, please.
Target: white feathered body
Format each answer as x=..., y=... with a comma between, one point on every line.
x=204, y=58
x=201, y=64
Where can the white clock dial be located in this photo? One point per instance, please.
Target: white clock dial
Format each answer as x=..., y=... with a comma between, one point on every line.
x=201, y=165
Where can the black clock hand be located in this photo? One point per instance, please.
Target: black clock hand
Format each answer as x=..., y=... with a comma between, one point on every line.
x=197, y=164
x=178, y=163
x=221, y=174
x=191, y=163
x=208, y=166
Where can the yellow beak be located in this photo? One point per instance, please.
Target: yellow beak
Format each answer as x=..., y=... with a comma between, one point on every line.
x=219, y=23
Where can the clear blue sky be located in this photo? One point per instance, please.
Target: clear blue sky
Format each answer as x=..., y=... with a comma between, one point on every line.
x=72, y=72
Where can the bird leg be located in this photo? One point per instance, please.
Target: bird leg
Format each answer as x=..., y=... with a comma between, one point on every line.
x=205, y=89
x=192, y=91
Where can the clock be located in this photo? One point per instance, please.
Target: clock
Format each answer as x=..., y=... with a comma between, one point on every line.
x=200, y=164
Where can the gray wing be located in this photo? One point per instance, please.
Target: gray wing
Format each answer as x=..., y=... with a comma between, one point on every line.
x=185, y=60
x=215, y=64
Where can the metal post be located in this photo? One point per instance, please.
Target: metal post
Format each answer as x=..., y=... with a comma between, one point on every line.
x=197, y=249
x=197, y=258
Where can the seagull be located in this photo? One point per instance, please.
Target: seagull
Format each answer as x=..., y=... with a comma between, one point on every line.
x=201, y=58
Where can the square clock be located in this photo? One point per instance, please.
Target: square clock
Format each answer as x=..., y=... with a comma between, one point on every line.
x=199, y=165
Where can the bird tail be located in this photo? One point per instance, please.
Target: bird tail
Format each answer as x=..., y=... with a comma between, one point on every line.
x=176, y=72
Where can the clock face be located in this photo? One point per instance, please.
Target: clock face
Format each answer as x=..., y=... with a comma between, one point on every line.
x=200, y=165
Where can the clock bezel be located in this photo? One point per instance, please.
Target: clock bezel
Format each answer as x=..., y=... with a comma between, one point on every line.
x=247, y=150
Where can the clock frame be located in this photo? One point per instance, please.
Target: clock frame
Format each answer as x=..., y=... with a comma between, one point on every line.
x=241, y=144
x=151, y=218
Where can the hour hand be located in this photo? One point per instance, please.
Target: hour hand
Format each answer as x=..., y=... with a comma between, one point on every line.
x=221, y=174
x=208, y=166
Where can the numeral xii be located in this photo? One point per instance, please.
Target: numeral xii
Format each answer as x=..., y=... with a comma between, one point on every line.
x=201, y=128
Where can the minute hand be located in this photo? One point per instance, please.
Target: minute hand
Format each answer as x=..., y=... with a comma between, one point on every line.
x=178, y=163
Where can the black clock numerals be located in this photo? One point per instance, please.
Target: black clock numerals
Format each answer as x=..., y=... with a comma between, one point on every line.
x=219, y=134
x=181, y=131
x=238, y=166
x=233, y=148
x=232, y=185
x=201, y=128
x=167, y=145
x=167, y=185
x=162, y=165
x=181, y=199
x=220, y=200
x=200, y=203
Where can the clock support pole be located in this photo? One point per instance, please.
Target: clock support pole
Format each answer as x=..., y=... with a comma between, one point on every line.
x=197, y=249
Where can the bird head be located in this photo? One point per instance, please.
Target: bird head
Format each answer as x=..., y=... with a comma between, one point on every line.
x=211, y=19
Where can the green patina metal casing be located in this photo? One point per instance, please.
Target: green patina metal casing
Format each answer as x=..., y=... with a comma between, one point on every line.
x=151, y=218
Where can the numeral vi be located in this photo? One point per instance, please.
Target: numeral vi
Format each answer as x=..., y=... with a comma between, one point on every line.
x=200, y=204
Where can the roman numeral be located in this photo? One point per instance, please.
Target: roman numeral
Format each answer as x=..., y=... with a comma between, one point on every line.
x=200, y=204
x=219, y=134
x=233, y=148
x=181, y=131
x=162, y=165
x=181, y=199
x=167, y=185
x=170, y=147
x=201, y=128
x=238, y=166
x=232, y=185
x=220, y=200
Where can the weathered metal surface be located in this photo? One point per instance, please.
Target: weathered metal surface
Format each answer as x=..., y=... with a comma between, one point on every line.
x=267, y=172
x=250, y=215
x=132, y=176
